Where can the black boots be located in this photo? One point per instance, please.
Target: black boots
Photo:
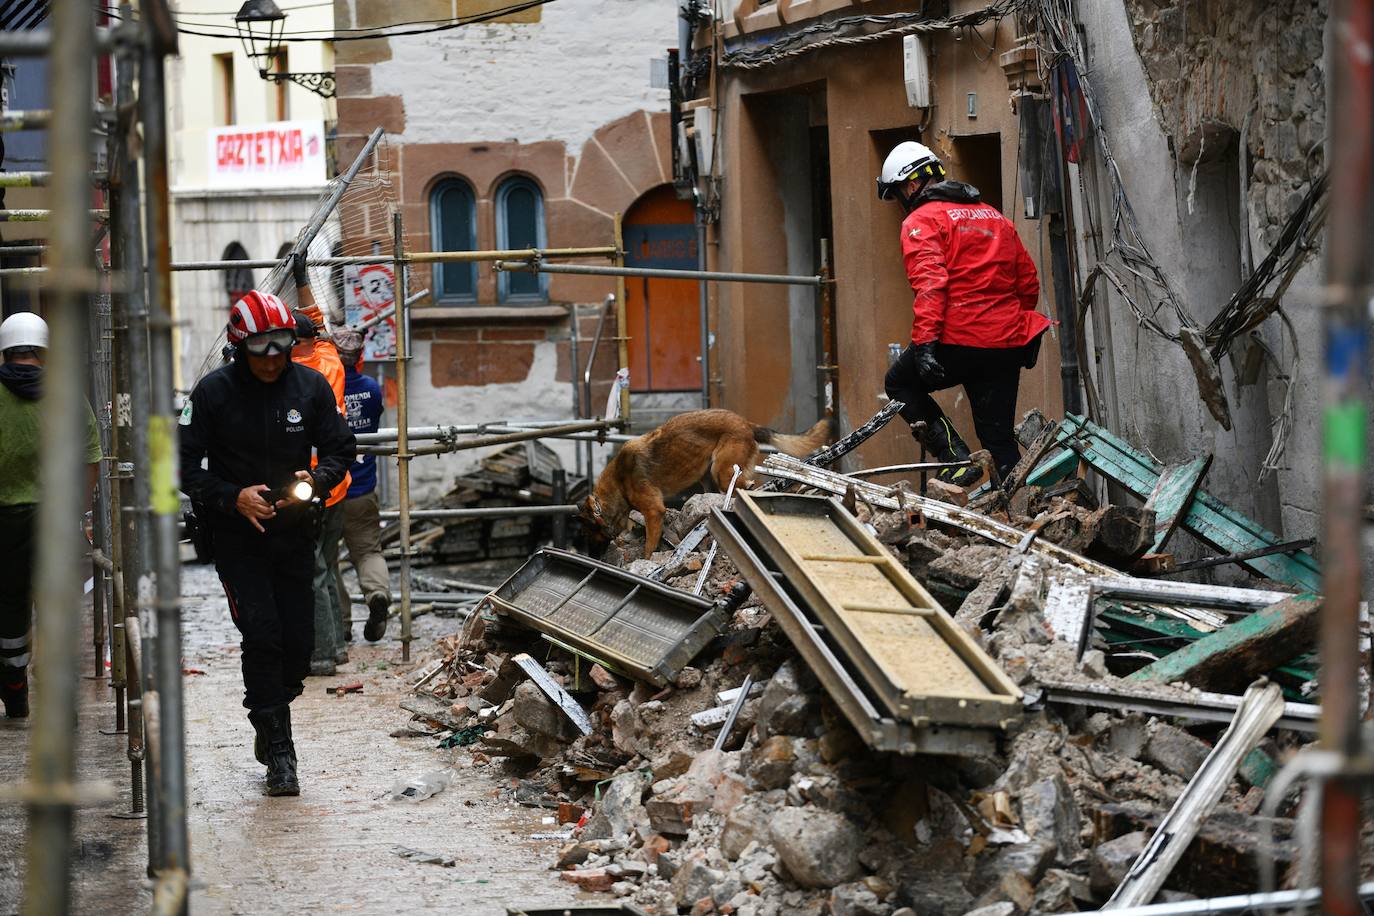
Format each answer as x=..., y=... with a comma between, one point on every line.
x=274, y=748
x=945, y=445
x=378, y=605
x=16, y=699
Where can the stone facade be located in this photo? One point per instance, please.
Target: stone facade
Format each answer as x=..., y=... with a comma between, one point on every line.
x=538, y=94
x=1174, y=83
x=1213, y=63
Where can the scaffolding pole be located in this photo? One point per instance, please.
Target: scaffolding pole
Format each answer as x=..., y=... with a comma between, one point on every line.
x=503, y=438
x=662, y=273
x=391, y=433
x=484, y=512
x=161, y=469
x=1345, y=318
x=51, y=793
x=622, y=339
x=418, y=257
x=402, y=418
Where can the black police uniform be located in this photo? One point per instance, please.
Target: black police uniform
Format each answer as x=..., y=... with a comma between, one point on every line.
x=257, y=433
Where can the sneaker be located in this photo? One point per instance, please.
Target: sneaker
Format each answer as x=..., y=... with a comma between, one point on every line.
x=378, y=606
x=16, y=699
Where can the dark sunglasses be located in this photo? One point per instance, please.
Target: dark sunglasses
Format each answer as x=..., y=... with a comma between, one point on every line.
x=270, y=342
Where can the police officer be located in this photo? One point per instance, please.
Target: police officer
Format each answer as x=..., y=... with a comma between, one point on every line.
x=254, y=423
x=975, y=321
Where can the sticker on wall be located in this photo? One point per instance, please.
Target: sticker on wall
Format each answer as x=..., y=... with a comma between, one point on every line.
x=368, y=291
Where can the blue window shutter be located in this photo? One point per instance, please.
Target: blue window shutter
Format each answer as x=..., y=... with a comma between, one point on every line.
x=520, y=224
x=453, y=225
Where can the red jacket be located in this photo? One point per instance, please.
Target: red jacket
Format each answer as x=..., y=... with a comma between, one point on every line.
x=975, y=284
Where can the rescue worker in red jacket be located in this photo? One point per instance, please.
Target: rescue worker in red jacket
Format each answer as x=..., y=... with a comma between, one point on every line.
x=975, y=322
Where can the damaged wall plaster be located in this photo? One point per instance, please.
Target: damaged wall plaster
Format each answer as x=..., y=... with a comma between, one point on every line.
x=1207, y=64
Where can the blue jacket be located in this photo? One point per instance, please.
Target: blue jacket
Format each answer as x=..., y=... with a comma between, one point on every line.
x=363, y=405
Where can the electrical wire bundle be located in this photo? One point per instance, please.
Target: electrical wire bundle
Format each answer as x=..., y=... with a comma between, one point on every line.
x=1250, y=305
x=853, y=30
x=1058, y=38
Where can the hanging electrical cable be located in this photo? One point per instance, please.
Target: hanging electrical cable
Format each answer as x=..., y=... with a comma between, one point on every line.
x=394, y=30
x=1254, y=302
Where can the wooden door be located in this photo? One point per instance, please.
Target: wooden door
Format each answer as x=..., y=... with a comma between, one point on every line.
x=663, y=316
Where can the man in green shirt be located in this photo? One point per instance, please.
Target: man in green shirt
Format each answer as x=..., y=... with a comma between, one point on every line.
x=23, y=343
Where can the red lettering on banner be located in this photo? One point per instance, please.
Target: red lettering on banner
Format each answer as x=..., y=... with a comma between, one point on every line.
x=266, y=151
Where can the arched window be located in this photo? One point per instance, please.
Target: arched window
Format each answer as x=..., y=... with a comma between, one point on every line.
x=520, y=224
x=237, y=280
x=453, y=226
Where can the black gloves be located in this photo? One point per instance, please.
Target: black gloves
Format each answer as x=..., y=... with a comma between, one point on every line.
x=927, y=366
x=298, y=271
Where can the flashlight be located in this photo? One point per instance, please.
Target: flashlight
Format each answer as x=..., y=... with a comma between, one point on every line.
x=300, y=491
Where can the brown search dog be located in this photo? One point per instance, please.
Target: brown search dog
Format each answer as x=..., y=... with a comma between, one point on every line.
x=660, y=464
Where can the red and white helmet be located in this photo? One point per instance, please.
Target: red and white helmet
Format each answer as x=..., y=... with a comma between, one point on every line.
x=257, y=313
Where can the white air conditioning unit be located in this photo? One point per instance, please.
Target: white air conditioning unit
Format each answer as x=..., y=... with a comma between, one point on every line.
x=916, y=71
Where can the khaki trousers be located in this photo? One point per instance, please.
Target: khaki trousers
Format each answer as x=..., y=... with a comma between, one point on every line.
x=362, y=535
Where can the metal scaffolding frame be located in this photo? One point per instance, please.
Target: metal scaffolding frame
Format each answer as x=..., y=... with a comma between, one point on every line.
x=124, y=353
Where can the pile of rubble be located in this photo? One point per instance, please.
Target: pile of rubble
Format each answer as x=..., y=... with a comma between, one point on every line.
x=789, y=811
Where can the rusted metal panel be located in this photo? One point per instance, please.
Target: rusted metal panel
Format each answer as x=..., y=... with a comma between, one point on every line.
x=921, y=665
x=828, y=662
x=644, y=628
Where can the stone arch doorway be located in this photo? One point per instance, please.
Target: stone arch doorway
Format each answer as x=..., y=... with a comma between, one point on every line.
x=663, y=316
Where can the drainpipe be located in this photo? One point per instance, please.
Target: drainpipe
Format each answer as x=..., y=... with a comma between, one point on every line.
x=1346, y=352
x=1065, y=277
x=57, y=581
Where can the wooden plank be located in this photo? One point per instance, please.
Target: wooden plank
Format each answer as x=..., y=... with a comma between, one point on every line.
x=1209, y=518
x=1173, y=494
x=920, y=666
x=1059, y=466
x=1235, y=655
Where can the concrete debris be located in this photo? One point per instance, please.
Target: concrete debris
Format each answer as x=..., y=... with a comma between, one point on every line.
x=1113, y=859
x=795, y=813
x=818, y=848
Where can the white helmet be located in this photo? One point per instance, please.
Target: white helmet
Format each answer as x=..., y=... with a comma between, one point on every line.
x=23, y=329
x=908, y=160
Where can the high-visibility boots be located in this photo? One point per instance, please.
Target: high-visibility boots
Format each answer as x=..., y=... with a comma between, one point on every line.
x=945, y=445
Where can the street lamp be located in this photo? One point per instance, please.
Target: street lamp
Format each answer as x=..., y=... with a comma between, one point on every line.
x=260, y=24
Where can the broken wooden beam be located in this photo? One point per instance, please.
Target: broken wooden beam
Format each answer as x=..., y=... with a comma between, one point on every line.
x=1172, y=495
x=1210, y=519
x=1122, y=534
x=1233, y=656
